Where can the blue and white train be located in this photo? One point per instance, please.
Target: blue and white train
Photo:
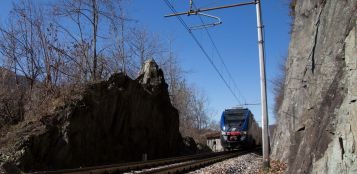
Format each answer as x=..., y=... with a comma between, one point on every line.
x=239, y=129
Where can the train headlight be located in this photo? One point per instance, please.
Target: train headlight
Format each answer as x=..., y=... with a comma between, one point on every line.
x=225, y=138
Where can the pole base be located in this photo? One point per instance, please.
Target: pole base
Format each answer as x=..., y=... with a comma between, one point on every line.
x=266, y=166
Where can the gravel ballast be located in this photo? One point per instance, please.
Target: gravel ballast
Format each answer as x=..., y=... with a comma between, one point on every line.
x=245, y=164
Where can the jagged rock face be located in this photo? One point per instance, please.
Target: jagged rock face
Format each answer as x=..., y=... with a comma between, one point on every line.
x=150, y=74
x=114, y=121
x=316, y=122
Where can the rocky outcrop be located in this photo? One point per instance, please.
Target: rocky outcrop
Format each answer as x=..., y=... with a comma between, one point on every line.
x=190, y=147
x=316, y=122
x=113, y=121
x=150, y=74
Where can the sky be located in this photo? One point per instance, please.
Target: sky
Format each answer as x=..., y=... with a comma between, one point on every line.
x=235, y=38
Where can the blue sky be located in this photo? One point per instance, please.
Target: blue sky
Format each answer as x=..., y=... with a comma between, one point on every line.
x=236, y=40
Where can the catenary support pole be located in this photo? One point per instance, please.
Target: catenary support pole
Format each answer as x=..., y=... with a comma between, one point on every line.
x=266, y=162
x=265, y=134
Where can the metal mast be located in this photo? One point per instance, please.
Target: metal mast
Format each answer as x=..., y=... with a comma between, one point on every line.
x=265, y=134
x=263, y=89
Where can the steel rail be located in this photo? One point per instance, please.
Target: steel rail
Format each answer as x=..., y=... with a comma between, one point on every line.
x=186, y=167
x=124, y=167
x=166, y=165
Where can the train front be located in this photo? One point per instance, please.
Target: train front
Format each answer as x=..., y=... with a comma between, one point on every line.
x=234, y=126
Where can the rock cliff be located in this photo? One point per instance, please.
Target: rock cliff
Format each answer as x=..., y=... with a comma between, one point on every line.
x=113, y=121
x=317, y=120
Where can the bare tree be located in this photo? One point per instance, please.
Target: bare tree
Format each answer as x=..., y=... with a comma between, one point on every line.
x=90, y=43
x=145, y=45
x=73, y=42
x=199, y=111
x=191, y=104
x=25, y=45
x=278, y=86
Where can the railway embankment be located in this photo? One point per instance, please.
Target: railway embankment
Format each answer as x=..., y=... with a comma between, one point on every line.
x=117, y=120
x=316, y=122
x=244, y=164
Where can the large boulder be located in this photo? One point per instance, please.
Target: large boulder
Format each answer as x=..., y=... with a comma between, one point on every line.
x=113, y=121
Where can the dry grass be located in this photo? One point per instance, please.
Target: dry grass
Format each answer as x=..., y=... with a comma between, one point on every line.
x=279, y=86
x=20, y=102
x=276, y=167
x=292, y=6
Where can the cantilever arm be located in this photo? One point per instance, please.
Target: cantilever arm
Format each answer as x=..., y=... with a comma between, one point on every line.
x=206, y=25
x=209, y=9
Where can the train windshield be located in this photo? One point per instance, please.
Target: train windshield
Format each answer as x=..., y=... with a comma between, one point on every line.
x=234, y=121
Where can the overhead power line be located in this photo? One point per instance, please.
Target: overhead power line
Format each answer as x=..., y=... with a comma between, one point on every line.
x=264, y=105
x=219, y=55
x=172, y=8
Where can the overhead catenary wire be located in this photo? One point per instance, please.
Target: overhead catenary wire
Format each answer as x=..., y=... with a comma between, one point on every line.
x=172, y=8
x=220, y=56
x=265, y=131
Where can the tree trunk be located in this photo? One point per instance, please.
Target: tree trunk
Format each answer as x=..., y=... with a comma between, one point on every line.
x=95, y=27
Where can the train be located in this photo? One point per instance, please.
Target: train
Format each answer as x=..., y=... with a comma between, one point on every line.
x=239, y=129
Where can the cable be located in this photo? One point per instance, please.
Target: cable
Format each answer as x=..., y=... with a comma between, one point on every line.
x=202, y=49
x=168, y=3
x=220, y=56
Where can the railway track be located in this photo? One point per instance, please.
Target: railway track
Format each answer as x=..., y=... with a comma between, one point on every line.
x=160, y=166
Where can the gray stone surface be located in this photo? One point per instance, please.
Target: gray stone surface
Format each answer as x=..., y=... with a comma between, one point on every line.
x=315, y=131
x=150, y=74
x=341, y=155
